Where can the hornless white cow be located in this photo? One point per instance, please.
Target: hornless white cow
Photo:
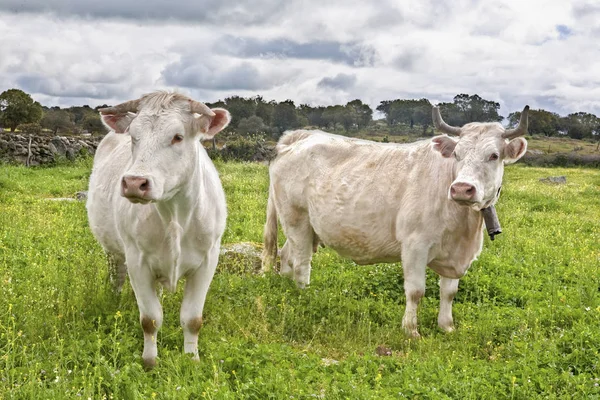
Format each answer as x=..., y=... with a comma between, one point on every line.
x=156, y=205
x=416, y=203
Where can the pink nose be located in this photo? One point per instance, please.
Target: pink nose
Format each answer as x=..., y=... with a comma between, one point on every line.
x=462, y=191
x=135, y=186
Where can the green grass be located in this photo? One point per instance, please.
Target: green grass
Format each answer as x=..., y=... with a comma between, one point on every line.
x=527, y=313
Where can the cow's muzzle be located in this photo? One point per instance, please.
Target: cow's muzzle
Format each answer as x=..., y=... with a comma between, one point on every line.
x=137, y=189
x=464, y=193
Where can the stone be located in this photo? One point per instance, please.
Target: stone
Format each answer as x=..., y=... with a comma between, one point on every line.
x=71, y=154
x=57, y=146
x=240, y=258
x=557, y=180
x=81, y=196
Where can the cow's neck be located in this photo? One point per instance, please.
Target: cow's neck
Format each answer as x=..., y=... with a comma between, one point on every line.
x=181, y=207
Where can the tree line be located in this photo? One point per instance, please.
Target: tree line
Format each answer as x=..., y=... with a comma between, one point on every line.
x=254, y=115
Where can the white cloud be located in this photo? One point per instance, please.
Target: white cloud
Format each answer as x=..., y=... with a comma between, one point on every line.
x=539, y=52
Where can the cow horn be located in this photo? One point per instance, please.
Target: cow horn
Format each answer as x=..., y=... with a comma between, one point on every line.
x=201, y=108
x=440, y=125
x=123, y=108
x=521, y=129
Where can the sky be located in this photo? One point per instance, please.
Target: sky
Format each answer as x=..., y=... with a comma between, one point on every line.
x=545, y=53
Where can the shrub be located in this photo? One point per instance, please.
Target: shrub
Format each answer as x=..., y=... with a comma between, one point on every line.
x=33, y=128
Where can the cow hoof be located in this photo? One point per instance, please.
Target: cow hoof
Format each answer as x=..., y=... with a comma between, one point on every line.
x=448, y=329
x=149, y=363
x=413, y=334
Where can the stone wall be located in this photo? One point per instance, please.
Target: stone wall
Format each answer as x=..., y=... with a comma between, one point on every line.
x=45, y=149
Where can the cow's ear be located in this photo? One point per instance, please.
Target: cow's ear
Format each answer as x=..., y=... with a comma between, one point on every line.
x=444, y=144
x=514, y=150
x=117, y=122
x=208, y=127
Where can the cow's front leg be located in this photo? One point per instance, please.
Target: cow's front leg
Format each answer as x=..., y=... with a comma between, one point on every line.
x=414, y=264
x=448, y=289
x=194, y=296
x=285, y=266
x=117, y=270
x=151, y=316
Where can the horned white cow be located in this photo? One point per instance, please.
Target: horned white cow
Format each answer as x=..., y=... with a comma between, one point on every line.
x=156, y=205
x=416, y=203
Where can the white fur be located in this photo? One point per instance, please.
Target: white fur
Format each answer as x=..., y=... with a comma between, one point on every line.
x=178, y=233
x=375, y=202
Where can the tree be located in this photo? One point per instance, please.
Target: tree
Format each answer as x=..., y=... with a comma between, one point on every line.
x=57, y=119
x=284, y=116
x=313, y=115
x=362, y=113
x=540, y=122
x=470, y=108
x=239, y=107
x=409, y=112
x=264, y=110
x=92, y=123
x=251, y=124
x=17, y=107
x=581, y=125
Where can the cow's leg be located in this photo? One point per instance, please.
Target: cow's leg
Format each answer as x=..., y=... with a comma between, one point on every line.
x=286, y=266
x=448, y=288
x=151, y=316
x=301, y=249
x=316, y=242
x=414, y=262
x=194, y=296
x=117, y=270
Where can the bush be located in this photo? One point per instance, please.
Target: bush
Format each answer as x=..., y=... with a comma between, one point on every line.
x=244, y=148
x=562, y=160
x=33, y=128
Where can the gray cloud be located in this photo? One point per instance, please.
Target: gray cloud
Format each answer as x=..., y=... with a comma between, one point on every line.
x=586, y=10
x=64, y=88
x=193, y=73
x=201, y=11
x=340, y=81
x=408, y=59
x=352, y=53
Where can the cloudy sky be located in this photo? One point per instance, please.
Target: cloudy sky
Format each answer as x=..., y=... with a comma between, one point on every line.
x=545, y=53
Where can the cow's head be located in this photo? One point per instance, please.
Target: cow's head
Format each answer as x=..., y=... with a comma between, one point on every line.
x=480, y=152
x=165, y=130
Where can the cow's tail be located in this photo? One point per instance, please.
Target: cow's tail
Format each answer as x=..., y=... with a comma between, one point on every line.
x=269, y=254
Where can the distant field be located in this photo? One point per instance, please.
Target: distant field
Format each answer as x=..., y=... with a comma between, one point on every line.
x=527, y=313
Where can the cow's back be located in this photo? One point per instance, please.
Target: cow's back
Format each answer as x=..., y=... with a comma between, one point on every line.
x=363, y=198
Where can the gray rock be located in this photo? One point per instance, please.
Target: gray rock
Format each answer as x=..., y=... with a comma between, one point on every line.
x=557, y=180
x=71, y=153
x=240, y=258
x=81, y=196
x=57, y=146
x=535, y=152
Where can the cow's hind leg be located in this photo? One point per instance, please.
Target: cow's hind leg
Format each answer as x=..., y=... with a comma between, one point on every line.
x=151, y=315
x=414, y=263
x=117, y=270
x=194, y=296
x=299, y=234
x=448, y=288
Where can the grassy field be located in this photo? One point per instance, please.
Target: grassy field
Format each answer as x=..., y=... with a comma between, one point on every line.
x=527, y=313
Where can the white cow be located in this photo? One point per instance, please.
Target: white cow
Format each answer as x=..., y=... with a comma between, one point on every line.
x=157, y=206
x=417, y=203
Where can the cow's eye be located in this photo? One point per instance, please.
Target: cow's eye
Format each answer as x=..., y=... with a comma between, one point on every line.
x=177, y=139
x=494, y=157
x=456, y=156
